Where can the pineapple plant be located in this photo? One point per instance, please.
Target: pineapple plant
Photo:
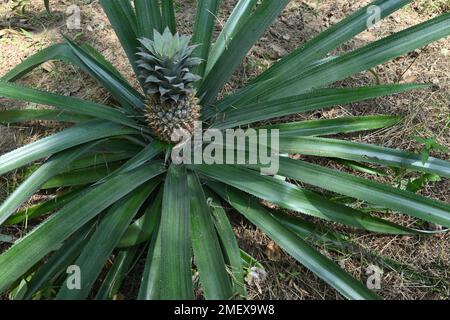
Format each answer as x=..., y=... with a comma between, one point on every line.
x=165, y=67
x=135, y=202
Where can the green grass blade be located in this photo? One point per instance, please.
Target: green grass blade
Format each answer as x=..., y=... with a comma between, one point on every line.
x=203, y=31
x=82, y=133
x=292, y=197
x=325, y=127
x=362, y=152
x=362, y=167
x=47, y=236
x=105, y=238
x=324, y=268
x=248, y=261
x=370, y=191
x=208, y=254
x=17, y=92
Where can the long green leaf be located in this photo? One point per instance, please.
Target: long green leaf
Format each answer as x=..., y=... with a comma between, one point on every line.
x=104, y=240
x=330, y=39
x=47, y=236
x=144, y=156
x=238, y=48
x=148, y=14
x=94, y=64
x=60, y=200
x=208, y=254
x=176, y=277
x=24, y=115
x=124, y=93
x=82, y=133
x=168, y=15
x=310, y=231
x=151, y=282
x=230, y=245
x=33, y=183
x=116, y=275
x=142, y=229
x=124, y=22
x=99, y=159
x=81, y=177
x=324, y=268
x=359, y=60
x=292, y=197
x=54, y=52
x=325, y=127
x=240, y=113
x=59, y=261
x=334, y=241
x=203, y=31
x=65, y=103
x=362, y=152
x=370, y=191
x=43, y=208
x=240, y=13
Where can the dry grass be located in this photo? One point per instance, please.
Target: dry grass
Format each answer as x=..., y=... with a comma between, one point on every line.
x=425, y=113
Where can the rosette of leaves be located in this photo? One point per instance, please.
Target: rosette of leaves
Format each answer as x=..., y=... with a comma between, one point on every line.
x=119, y=198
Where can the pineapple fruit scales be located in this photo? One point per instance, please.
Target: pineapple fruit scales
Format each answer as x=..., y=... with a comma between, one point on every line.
x=165, y=65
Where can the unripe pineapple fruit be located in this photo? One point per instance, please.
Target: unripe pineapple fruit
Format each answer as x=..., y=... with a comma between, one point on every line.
x=165, y=65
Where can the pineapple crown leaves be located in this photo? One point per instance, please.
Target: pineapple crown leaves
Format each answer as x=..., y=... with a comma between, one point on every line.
x=165, y=65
